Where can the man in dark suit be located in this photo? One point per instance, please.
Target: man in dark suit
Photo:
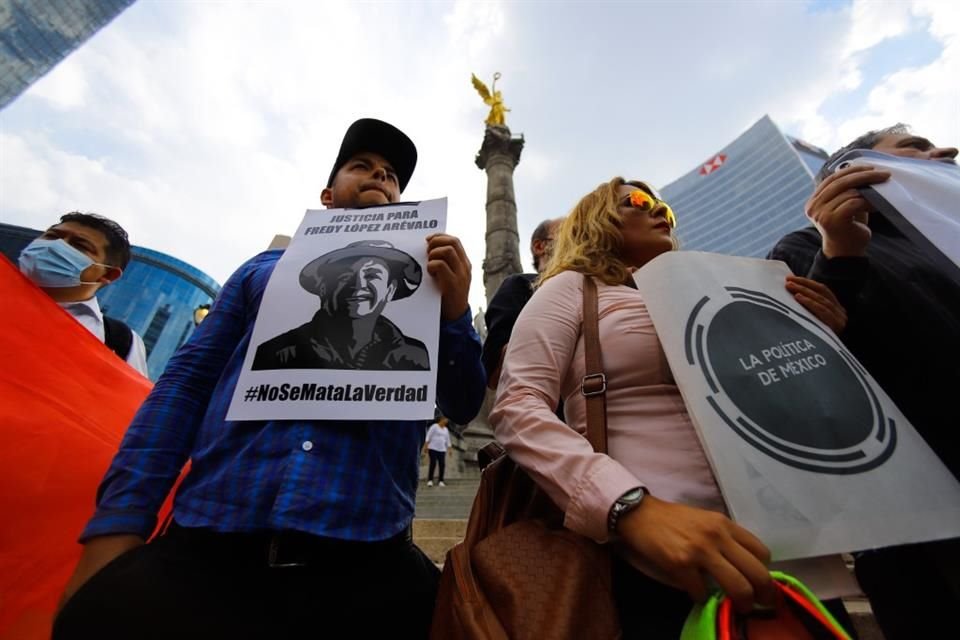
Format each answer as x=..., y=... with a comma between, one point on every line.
x=901, y=323
x=354, y=285
x=511, y=297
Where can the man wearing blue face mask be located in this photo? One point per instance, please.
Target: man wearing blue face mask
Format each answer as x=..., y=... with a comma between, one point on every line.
x=71, y=261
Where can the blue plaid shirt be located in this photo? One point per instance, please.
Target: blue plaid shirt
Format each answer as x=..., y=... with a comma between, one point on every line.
x=347, y=480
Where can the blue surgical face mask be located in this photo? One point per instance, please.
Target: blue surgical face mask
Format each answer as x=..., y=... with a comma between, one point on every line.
x=54, y=263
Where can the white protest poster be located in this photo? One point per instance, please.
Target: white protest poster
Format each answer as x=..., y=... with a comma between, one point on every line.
x=349, y=324
x=925, y=192
x=809, y=452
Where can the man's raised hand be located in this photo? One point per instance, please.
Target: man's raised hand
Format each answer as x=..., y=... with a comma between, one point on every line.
x=450, y=267
x=841, y=213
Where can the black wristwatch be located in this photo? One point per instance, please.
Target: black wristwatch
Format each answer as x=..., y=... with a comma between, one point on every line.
x=628, y=501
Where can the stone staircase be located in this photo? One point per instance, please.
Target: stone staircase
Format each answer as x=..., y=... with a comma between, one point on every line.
x=436, y=537
x=451, y=502
x=441, y=517
x=863, y=621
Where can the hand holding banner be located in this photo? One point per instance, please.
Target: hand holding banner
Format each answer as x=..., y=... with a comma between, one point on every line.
x=920, y=198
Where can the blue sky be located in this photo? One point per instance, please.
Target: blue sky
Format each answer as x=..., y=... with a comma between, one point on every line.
x=206, y=128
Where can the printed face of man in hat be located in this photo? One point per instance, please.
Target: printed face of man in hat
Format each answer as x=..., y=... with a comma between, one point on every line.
x=361, y=278
x=364, y=287
x=354, y=283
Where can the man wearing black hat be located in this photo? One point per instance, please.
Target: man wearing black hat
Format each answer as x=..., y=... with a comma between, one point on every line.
x=354, y=284
x=282, y=528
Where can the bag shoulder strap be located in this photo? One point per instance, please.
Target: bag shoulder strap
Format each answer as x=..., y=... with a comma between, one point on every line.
x=594, y=383
x=117, y=336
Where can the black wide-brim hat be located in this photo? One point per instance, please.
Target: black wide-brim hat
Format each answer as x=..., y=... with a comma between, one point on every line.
x=403, y=268
x=377, y=136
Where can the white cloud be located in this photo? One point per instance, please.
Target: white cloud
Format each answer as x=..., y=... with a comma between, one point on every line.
x=871, y=23
x=66, y=90
x=206, y=128
x=927, y=97
x=233, y=117
x=477, y=25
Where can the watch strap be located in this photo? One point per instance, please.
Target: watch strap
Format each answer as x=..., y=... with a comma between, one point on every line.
x=624, y=504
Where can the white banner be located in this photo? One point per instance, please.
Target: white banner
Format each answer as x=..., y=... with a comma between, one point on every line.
x=809, y=452
x=349, y=325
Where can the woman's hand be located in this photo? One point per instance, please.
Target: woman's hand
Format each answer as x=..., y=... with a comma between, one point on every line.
x=681, y=545
x=818, y=300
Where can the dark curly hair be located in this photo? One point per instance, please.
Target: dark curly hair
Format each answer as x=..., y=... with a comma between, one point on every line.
x=118, y=244
x=867, y=141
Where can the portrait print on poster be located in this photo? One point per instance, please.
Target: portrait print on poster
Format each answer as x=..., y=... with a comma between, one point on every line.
x=354, y=285
x=349, y=323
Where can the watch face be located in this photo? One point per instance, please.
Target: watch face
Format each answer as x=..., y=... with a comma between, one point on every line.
x=625, y=503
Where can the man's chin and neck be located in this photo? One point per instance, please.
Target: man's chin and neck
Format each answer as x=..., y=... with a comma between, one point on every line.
x=362, y=200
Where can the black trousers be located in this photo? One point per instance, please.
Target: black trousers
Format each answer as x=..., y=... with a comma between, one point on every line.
x=914, y=590
x=437, y=458
x=650, y=610
x=193, y=583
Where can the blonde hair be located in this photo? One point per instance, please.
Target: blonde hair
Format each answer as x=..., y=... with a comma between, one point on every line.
x=589, y=240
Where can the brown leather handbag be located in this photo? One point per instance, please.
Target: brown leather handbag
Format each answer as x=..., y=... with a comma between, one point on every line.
x=519, y=574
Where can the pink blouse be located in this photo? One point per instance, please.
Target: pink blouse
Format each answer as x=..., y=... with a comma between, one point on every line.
x=651, y=441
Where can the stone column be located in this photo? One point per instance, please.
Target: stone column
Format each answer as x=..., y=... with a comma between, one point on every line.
x=498, y=156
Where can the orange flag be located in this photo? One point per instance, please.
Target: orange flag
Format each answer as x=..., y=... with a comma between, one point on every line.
x=65, y=402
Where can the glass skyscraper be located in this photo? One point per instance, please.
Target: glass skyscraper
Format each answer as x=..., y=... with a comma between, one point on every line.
x=748, y=195
x=156, y=296
x=37, y=34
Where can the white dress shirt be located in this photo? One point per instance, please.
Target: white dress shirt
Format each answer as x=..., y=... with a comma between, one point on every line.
x=87, y=313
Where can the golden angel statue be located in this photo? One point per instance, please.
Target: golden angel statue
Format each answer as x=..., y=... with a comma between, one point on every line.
x=498, y=111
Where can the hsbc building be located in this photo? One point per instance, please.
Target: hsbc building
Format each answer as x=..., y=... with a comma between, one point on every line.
x=745, y=197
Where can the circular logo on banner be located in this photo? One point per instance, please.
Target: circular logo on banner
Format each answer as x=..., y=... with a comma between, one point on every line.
x=787, y=387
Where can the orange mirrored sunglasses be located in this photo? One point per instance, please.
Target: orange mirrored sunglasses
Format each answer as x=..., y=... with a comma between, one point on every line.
x=640, y=199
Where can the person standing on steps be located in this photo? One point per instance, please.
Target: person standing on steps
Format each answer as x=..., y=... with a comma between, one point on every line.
x=438, y=441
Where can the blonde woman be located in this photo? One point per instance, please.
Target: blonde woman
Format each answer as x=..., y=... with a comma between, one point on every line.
x=654, y=495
